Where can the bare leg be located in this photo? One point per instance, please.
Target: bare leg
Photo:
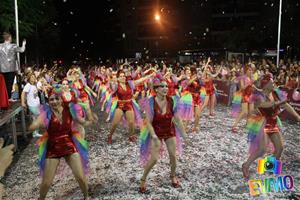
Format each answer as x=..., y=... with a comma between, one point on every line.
x=212, y=104
x=171, y=146
x=89, y=112
x=103, y=105
x=155, y=146
x=242, y=114
x=75, y=164
x=197, y=119
x=252, y=157
x=49, y=173
x=185, y=123
x=277, y=141
x=117, y=118
x=250, y=110
x=130, y=120
x=206, y=100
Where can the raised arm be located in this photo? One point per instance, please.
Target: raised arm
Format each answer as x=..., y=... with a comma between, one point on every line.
x=146, y=78
x=206, y=65
x=195, y=77
x=291, y=110
x=21, y=49
x=263, y=104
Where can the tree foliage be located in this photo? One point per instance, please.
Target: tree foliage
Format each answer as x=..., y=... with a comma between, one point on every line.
x=37, y=20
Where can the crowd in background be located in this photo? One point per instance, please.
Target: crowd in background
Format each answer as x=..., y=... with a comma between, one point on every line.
x=286, y=75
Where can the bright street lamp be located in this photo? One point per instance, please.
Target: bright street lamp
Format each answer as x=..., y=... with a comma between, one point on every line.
x=157, y=17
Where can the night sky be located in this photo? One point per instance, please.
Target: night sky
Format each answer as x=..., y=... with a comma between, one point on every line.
x=95, y=29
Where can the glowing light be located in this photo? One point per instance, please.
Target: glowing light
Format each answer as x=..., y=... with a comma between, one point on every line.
x=157, y=17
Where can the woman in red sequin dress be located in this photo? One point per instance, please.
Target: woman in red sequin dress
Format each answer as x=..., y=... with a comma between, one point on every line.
x=247, y=88
x=210, y=98
x=59, y=145
x=83, y=97
x=172, y=82
x=192, y=87
x=124, y=91
x=162, y=128
x=68, y=96
x=267, y=108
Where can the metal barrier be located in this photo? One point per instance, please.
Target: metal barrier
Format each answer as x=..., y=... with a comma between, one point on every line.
x=9, y=115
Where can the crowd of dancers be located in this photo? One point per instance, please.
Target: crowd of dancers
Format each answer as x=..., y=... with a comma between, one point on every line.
x=159, y=102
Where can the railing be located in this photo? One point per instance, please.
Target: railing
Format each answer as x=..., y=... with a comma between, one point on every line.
x=10, y=116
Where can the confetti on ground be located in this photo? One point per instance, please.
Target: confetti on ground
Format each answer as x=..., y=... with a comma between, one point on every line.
x=210, y=167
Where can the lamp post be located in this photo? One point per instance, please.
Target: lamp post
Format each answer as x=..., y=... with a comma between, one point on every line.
x=278, y=38
x=17, y=28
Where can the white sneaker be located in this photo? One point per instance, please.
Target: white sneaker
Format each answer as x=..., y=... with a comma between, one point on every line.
x=36, y=134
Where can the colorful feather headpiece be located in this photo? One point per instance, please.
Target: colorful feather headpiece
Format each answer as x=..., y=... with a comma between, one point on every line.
x=55, y=90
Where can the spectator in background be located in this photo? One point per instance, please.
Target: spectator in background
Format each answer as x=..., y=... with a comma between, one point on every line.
x=8, y=60
x=233, y=86
x=15, y=92
x=31, y=99
x=292, y=82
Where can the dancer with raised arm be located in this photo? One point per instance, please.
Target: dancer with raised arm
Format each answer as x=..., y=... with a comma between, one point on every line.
x=125, y=105
x=210, y=98
x=264, y=124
